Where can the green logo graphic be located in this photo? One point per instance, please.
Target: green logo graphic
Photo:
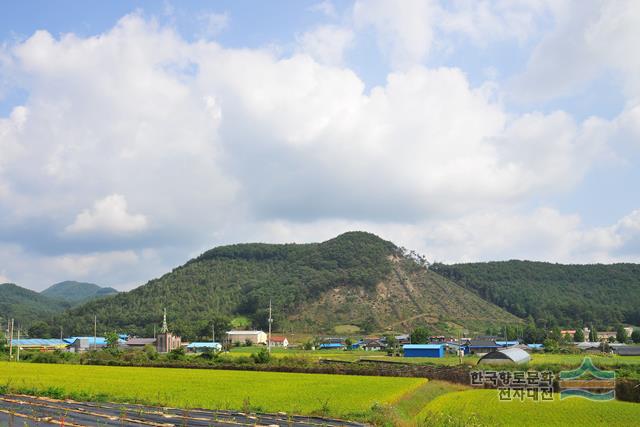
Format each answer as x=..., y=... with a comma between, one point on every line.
x=588, y=382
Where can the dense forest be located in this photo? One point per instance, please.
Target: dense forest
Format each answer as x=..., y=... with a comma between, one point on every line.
x=555, y=294
x=355, y=278
x=26, y=306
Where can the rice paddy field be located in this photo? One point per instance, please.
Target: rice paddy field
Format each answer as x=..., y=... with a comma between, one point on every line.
x=381, y=400
x=331, y=395
x=483, y=408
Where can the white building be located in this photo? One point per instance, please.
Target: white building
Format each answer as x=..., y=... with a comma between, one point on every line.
x=256, y=337
x=277, y=341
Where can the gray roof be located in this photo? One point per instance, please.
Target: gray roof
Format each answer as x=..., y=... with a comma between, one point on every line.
x=628, y=351
x=141, y=341
x=482, y=343
x=516, y=355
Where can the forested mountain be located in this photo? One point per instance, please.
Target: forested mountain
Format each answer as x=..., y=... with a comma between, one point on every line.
x=566, y=295
x=76, y=292
x=26, y=306
x=356, y=279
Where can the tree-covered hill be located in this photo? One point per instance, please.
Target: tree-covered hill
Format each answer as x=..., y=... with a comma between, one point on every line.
x=356, y=279
x=566, y=295
x=26, y=306
x=76, y=292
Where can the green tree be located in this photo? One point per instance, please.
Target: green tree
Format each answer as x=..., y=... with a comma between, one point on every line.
x=621, y=334
x=150, y=351
x=392, y=344
x=177, y=354
x=579, y=335
x=550, y=345
x=112, y=339
x=39, y=329
x=533, y=334
x=511, y=332
x=420, y=335
x=261, y=356
x=593, y=334
x=635, y=336
x=348, y=342
x=555, y=334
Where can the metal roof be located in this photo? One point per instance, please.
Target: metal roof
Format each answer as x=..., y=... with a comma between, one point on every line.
x=587, y=344
x=507, y=343
x=244, y=332
x=205, y=344
x=516, y=355
x=331, y=345
x=40, y=342
x=141, y=341
x=422, y=346
x=98, y=340
x=482, y=343
x=628, y=351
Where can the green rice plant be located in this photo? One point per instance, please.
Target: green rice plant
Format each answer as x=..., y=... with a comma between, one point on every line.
x=345, y=396
x=483, y=407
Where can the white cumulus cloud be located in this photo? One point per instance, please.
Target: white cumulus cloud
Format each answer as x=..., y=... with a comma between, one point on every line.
x=108, y=215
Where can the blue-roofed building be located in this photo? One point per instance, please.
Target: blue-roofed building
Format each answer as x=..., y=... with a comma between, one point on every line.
x=331, y=346
x=198, y=347
x=535, y=346
x=423, y=350
x=356, y=345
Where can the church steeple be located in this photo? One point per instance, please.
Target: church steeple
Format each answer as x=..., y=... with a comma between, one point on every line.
x=164, y=329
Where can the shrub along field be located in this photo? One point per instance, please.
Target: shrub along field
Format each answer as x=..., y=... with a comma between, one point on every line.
x=331, y=395
x=537, y=359
x=483, y=408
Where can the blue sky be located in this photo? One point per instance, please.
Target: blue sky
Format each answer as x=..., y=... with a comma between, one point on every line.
x=135, y=135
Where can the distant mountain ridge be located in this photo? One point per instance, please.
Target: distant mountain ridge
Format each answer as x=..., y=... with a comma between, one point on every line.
x=354, y=279
x=27, y=306
x=76, y=292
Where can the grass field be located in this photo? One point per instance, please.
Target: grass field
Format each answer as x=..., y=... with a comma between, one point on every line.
x=332, y=395
x=482, y=408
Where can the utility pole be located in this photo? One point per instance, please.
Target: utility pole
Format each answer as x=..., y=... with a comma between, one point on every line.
x=18, y=347
x=95, y=332
x=270, y=322
x=213, y=332
x=60, y=333
x=11, y=341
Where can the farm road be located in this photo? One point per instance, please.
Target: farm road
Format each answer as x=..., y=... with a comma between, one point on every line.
x=22, y=411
